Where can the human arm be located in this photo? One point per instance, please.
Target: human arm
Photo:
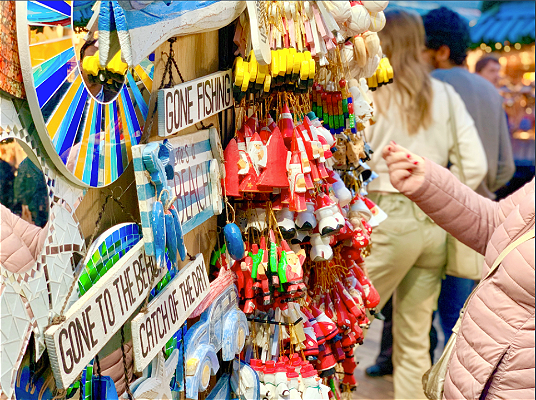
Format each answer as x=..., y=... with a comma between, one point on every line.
x=469, y=217
x=20, y=241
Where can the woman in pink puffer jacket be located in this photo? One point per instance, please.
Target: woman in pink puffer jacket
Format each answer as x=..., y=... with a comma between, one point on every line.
x=494, y=353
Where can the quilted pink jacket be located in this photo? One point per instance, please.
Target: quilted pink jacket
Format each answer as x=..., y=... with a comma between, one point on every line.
x=494, y=353
x=20, y=241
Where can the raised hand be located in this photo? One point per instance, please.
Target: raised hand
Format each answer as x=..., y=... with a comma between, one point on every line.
x=406, y=169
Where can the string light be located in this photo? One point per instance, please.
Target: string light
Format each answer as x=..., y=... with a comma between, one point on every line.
x=517, y=46
x=498, y=46
x=507, y=48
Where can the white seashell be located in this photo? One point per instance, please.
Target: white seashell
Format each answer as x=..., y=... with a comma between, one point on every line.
x=372, y=43
x=371, y=67
x=340, y=10
x=360, y=51
x=377, y=21
x=375, y=6
x=360, y=20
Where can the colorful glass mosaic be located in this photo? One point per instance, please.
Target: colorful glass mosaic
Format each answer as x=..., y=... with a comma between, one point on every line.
x=10, y=72
x=106, y=251
x=88, y=132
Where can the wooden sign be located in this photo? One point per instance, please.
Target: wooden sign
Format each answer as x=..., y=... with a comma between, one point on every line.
x=259, y=33
x=188, y=103
x=92, y=321
x=168, y=311
x=196, y=161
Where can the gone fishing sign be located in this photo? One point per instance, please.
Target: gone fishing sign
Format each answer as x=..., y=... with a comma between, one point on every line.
x=188, y=103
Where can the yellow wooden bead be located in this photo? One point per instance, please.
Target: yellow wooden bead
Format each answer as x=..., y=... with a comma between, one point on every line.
x=91, y=65
x=312, y=68
x=261, y=74
x=245, y=84
x=116, y=65
x=274, y=66
x=307, y=55
x=290, y=61
x=298, y=58
x=267, y=83
x=283, y=61
x=304, y=70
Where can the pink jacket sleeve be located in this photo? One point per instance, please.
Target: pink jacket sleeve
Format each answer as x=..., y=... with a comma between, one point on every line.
x=466, y=215
x=20, y=241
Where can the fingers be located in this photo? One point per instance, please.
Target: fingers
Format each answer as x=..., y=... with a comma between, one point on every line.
x=400, y=175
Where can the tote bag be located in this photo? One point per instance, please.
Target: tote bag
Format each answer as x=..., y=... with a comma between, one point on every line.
x=433, y=380
x=462, y=261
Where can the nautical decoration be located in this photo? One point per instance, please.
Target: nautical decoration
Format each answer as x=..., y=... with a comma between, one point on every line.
x=86, y=127
x=182, y=165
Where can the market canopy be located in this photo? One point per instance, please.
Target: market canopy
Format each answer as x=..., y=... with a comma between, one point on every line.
x=470, y=10
x=511, y=21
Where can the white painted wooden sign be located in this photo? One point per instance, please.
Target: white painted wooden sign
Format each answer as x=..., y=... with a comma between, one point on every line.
x=196, y=160
x=99, y=314
x=259, y=32
x=168, y=311
x=188, y=103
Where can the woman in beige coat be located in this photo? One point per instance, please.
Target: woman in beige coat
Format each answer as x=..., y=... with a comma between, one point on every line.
x=494, y=353
x=410, y=250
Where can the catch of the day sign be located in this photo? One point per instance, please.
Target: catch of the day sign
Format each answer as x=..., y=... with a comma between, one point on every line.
x=92, y=321
x=168, y=311
x=188, y=103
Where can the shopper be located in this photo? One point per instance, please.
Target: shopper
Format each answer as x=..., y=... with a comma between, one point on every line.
x=489, y=68
x=494, y=352
x=447, y=40
x=409, y=249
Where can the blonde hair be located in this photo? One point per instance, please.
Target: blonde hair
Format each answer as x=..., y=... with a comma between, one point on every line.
x=402, y=41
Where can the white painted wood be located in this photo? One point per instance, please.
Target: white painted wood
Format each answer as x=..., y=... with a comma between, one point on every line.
x=98, y=315
x=168, y=311
x=190, y=102
x=259, y=32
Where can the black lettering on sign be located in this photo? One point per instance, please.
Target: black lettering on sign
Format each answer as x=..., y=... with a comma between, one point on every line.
x=68, y=353
x=109, y=307
x=227, y=88
x=165, y=315
x=115, y=283
x=199, y=97
x=98, y=299
x=144, y=350
x=183, y=108
x=176, y=109
x=72, y=336
x=129, y=285
x=169, y=107
x=175, y=303
x=221, y=93
x=190, y=103
x=208, y=109
x=91, y=326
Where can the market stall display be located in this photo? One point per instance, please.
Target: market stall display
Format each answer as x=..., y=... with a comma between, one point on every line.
x=278, y=309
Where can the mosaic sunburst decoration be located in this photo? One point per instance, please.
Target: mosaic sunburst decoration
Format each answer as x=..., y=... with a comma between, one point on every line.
x=86, y=130
x=106, y=251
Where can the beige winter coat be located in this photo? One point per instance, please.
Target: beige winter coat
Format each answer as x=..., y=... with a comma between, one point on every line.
x=494, y=353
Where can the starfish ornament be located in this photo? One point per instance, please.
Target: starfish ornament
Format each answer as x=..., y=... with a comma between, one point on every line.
x=157, y=387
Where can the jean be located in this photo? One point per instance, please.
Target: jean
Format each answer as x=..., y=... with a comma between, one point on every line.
x=454, y=292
